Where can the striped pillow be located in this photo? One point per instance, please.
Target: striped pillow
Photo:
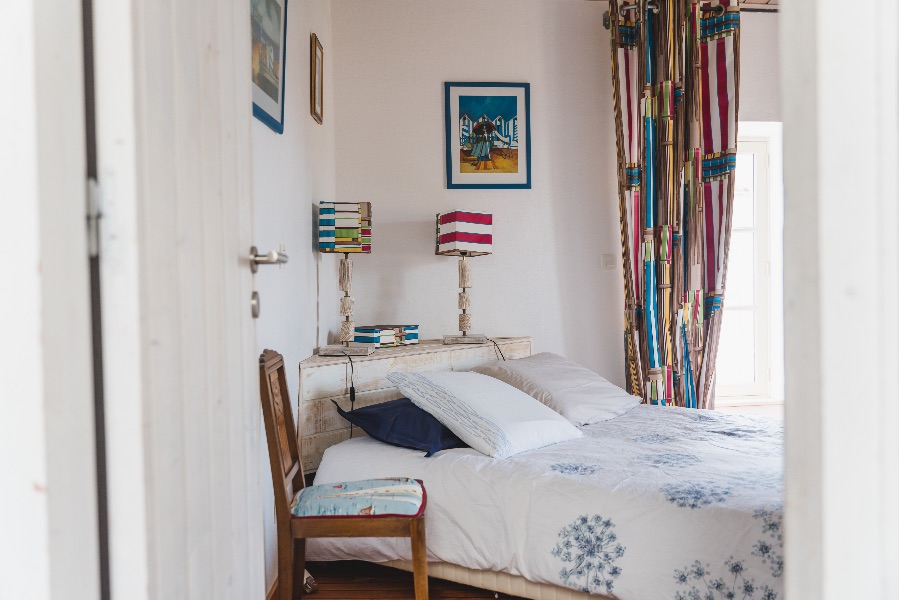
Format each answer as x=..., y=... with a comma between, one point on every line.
x=492, y=417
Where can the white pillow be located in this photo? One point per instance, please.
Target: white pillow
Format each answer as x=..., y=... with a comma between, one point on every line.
x=490, y=416
x=575, y=392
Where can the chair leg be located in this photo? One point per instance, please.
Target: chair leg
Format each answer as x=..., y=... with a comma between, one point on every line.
x=285, y=563
x=419, y=558
x=299, y=566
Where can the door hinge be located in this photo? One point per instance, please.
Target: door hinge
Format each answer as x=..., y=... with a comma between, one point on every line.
x=93, y=217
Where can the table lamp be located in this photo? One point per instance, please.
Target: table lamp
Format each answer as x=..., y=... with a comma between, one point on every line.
x=464, y=234
x=345, y=227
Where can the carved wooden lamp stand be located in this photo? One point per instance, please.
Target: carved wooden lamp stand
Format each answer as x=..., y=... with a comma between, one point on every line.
x=464, y=234
x=345, y=227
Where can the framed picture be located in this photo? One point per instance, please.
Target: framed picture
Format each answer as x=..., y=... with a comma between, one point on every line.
x=317, y=85
x=488, y=135
x=269, y=25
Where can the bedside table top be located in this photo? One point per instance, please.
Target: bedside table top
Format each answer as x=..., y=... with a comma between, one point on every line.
x=423, y=347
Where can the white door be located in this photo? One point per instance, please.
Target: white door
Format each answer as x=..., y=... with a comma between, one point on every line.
x=181, y=366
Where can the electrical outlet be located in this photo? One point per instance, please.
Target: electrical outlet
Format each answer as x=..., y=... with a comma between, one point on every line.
x=609, y=263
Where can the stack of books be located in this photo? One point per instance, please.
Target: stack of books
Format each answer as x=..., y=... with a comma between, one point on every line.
x=406, y=335
x=344, y=227
x=376, y=336
x=385, y=336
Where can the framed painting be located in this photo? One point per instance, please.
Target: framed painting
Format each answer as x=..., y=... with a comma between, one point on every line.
x=488, y=135
x=269, y=26
x=317, y=83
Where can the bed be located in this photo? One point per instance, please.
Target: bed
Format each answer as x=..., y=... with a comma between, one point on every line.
x=656, y=503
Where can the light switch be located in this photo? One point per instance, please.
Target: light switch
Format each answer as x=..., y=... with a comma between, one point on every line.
x=609, y=262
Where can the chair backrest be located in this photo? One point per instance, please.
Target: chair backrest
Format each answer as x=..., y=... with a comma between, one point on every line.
x=280, y=431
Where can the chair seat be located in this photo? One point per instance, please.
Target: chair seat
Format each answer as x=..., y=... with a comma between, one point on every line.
x=395, y=496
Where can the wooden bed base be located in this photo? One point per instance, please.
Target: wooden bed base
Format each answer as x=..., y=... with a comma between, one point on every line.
x=496, y=581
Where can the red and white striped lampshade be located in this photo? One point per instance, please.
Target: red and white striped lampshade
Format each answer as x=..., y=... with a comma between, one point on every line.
x=464, y=233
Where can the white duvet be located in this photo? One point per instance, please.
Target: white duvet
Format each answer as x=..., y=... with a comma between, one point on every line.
x=657, y=503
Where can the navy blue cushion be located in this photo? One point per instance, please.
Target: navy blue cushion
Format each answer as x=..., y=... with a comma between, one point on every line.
x=401, y=423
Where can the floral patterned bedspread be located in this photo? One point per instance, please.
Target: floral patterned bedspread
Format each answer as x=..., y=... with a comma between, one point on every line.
x=657, y=503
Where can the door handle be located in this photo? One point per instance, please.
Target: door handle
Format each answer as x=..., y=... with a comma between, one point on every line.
x=275, y=257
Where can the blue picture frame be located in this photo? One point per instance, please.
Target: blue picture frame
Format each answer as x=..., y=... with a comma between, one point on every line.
x=490, y=150
x=268, y=18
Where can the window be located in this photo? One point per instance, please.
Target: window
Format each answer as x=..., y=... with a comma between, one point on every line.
x=750, y=350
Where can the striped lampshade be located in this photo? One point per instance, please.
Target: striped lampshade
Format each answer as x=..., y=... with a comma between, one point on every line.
x=344, y=227
x=464, y=233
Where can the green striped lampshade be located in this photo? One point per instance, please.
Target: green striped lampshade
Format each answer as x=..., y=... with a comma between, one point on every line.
x=344, y=227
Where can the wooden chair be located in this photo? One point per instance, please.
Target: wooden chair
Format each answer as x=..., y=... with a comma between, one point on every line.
x=287, y=478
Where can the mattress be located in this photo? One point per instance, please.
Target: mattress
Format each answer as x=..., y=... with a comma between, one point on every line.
x=657, y=503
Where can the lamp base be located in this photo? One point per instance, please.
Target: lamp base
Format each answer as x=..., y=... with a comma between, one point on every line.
x=340, y=350
x=471, y=338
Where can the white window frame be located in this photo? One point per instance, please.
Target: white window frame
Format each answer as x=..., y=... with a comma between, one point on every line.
x=765, y=140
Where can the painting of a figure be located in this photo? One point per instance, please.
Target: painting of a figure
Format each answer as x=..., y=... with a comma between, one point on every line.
x=487, y=135
x=267, y=19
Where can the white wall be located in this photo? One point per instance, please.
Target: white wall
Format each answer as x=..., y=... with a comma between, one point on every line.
x=292, y=173
x=760, y=66
x=545, y=277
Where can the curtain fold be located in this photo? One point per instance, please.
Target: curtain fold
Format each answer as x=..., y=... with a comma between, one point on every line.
x=675, y=73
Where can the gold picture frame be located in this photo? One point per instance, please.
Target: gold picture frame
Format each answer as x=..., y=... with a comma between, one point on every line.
x=317, y=79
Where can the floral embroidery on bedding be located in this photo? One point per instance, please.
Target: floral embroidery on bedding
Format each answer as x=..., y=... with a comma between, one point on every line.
x=733, y=584
x=770, y=550
x=733, y=580
x=696, y=495
x=591, y=546
x=706, y=417
x=738, y=432
x=677, y=461
x=654, y=438
x=574, y=469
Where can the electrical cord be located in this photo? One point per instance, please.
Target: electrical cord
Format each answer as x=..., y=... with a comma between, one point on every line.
x=352, y=389
x=497, y=348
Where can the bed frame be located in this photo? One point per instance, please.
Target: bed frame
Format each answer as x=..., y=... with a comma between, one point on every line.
x=498, y=581
x=326, y=378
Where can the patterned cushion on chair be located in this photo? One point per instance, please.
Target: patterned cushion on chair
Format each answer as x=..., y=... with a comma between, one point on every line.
x=396, y=496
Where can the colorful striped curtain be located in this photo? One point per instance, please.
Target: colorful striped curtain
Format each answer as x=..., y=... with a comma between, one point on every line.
x=675, y=71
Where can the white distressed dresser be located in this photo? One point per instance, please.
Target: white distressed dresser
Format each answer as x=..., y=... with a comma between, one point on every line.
x=326, y=378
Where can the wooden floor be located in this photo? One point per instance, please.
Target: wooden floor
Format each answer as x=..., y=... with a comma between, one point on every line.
x=353, y=580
